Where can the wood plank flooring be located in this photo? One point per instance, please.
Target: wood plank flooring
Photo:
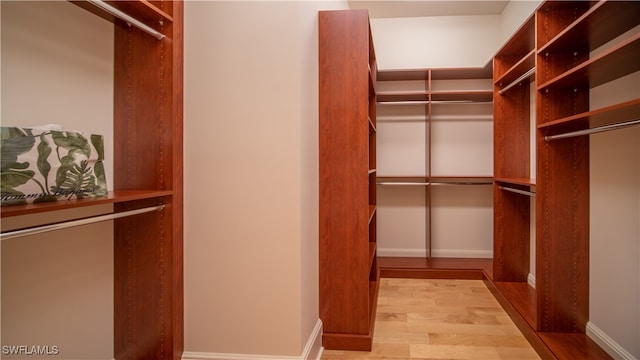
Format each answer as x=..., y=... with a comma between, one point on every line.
x=440, y=319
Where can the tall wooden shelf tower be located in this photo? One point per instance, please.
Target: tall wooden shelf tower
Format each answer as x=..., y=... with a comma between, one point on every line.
x=567, y=48
x=348, y=265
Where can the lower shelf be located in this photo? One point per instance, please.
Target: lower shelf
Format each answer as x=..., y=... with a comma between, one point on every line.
x=434, y=268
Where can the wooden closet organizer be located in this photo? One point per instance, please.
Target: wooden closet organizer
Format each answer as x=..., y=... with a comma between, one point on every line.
x=554, y=48
x=148, y=137
x=348, y=261
x=443, y=98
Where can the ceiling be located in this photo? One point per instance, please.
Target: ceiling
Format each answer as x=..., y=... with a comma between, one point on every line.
x=420, y=8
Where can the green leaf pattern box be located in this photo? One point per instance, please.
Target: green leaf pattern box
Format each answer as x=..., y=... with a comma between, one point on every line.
x=41, y=164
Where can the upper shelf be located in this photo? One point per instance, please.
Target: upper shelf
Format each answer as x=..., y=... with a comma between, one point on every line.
x=517, y=71
x=117, y=196
x=142, y=11
x=428, y=91
x=516, y=56
x=596, y=22
x=614, y=63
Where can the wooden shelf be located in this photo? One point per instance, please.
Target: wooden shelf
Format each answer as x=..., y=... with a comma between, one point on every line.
x=462, y=73
x=142, y=10
x=609, y=115
x=610, y=65
x=113, y=197
x=462, y=180
x=372, y=256
x=517, y=181
x=372, y=211
x=396, y=96
x=515, y=56
x=434, y=268
x=462, y=96
x=596, y=24
x=523, y=298
x=372, y=127
x=519, y=69
x=573, y=346
x=404, y=74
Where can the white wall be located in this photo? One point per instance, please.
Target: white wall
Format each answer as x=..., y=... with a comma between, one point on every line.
x=57, y=67
x=615, y=213
x=435, y=42
x=514, y=15
x=461, y=139
x=251, y=175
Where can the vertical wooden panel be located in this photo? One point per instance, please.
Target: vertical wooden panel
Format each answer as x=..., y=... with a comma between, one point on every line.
x=346, y=191
x=148, y=155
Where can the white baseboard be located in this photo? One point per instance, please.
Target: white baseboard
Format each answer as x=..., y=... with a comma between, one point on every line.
x=391, y=252
x=531, y=280
x=608, y=344
x=437, y=253
x=311, y=351
x=477, y=254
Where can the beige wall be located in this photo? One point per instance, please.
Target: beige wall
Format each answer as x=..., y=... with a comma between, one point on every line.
x=615, y=214
x=437, y=41
x=251, y=232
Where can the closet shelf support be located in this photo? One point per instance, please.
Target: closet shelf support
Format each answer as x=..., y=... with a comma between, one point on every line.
x=72, y=223
x=127, y=18
x=593, y=130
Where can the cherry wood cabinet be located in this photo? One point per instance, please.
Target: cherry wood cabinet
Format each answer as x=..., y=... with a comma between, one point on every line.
x=563, y=41
x=148, y=248
x=347, y=116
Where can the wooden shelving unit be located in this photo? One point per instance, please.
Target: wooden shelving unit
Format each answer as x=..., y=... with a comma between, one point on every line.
x=348, y=260
x=148, y=249
x=429, y=92
x=568, y=62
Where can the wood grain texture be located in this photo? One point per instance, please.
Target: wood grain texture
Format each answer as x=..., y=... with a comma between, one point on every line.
x=440, y=319
x=148, y=137
x=348, y=274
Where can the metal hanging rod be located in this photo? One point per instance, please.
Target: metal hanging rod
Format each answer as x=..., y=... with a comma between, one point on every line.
x=518, y=80
x=426, y=102
x=518, y=191
x=128, y=18
x=409, y=183
x=593, y=130
x=72, y=223
x=405, y=183
x=462, y=183
x=407, y=102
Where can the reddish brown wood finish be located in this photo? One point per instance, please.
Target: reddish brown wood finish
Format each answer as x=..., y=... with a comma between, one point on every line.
x=511, y=235
x=148, y=138
x=512, y=156
x=568, y=346
x=434, y=268
x=113, y=197
x=566, y=32
x=562, y=188
x=348, y=273
x=148, y=155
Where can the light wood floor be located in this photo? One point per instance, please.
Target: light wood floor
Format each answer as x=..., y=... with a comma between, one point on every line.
x=440, y=319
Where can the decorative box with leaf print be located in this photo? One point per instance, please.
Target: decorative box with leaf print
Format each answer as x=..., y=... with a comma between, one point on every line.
x=41, y=165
